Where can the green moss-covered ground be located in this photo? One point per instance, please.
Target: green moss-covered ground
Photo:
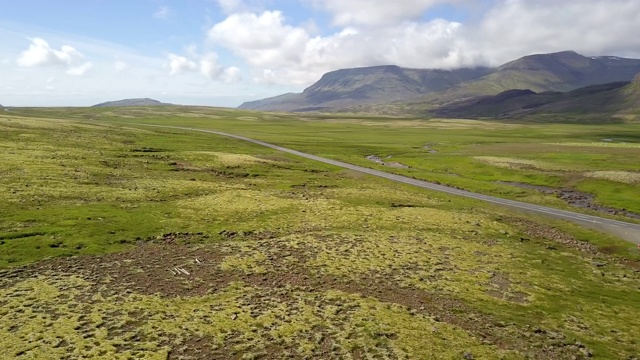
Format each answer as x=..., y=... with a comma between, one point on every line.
x=120, y=241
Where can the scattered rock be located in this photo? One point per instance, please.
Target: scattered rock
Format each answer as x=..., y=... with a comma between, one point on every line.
x=430, y=150
x=375, y=158
x=380, y=161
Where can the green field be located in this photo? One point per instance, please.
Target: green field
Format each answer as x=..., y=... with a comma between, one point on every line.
x=119, y=240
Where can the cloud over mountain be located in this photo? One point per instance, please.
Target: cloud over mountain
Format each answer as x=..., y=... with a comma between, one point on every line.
x=370, y=34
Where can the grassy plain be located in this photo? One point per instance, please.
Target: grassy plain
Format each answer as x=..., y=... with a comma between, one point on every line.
x=123, y=241
x=600, y=159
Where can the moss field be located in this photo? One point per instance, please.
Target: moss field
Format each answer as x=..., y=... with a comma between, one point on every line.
x=125, y=241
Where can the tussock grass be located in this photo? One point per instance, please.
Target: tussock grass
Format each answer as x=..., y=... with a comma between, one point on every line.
x=617, y=176
x=509, y=163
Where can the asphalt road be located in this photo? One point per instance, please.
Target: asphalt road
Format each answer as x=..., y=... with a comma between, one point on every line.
x=625, y=230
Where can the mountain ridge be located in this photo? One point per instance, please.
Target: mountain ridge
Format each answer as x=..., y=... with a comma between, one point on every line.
x=420, y=89
x=365, y=85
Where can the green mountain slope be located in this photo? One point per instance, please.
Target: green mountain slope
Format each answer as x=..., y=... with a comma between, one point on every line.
x=348, y=87
x=595, y=100
x=416, y=90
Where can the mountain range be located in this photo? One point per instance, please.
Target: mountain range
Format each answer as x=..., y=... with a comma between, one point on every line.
x=594, y=100
x=368, y=85
x=423, y=90
x=132, y=102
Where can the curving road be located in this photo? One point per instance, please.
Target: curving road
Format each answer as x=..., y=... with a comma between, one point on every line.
x=625, y=230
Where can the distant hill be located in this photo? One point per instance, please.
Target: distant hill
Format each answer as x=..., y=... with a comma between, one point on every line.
x=415, y=90
x=348, y=87
x=612, y=98
x=132, y=102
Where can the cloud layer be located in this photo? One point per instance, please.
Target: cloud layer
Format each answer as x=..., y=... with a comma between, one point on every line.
x=376, y=12
x=375, y=32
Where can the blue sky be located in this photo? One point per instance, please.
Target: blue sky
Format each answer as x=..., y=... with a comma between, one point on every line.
x=224, y=52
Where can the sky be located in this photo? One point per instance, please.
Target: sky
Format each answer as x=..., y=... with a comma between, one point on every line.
x=225, y=52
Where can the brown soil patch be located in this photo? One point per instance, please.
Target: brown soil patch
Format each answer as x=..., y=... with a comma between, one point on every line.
x=502, y=289
x=171, y=269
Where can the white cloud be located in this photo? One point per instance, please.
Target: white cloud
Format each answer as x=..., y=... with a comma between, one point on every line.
x=191, y=49
x=144, y=75
x=210, y=67
x=591, y=27
x=41, y=54
x=287, y=54
x=262, y=40
x=375, y=12
x=231, y=6
x=80, y=70
x=120, y=65
x=231, y=75
x=278, y=52
x=162, y=13
x=180, y=64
